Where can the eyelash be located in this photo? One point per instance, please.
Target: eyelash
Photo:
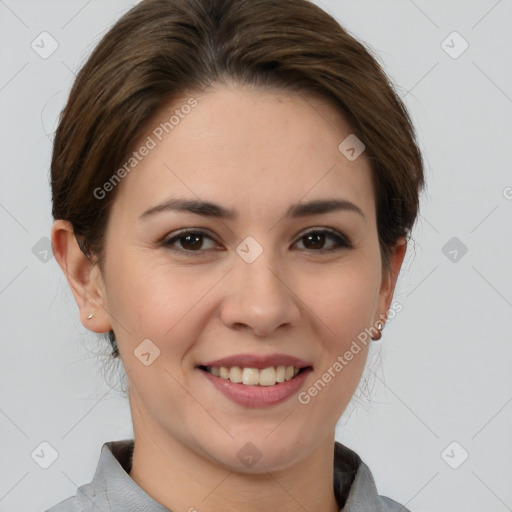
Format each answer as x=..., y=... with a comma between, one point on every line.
x=342, y=241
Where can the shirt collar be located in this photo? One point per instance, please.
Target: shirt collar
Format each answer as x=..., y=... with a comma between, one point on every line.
x=354, y=486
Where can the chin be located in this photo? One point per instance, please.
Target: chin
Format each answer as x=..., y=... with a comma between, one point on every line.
x=257, y=454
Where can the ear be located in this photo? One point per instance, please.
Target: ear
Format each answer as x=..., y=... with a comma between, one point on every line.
x=84, y=278
x=389, y=279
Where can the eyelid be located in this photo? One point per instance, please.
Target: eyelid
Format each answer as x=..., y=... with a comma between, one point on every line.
x=169, y=240
x=336, y=234
x=324, y=229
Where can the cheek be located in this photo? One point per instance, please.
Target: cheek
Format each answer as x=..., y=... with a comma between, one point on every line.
x=346, y=299
x=150, y=298
x=345, y=304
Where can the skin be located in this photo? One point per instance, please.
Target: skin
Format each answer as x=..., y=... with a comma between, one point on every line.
x=258, y=152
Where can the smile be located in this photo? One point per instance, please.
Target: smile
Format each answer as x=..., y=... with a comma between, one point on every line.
x=269, y=376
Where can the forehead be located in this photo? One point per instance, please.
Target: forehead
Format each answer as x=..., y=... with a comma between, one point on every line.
x=251, y=150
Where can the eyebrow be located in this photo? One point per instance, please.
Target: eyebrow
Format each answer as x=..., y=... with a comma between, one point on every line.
x=209, y=209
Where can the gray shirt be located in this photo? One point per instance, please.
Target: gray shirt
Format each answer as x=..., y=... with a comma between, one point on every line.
x=113, y=490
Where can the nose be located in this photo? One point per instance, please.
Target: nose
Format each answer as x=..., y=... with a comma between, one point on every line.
x=260, y=298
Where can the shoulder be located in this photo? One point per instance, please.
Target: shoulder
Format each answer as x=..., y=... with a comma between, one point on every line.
x=88, y=498
x=390, y=505
x=69, y=505
x=85, y=500
x=363, y=496
x=360, y=493
x=94, y=496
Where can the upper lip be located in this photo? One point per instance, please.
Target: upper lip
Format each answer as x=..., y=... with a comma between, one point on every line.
x=259, y=362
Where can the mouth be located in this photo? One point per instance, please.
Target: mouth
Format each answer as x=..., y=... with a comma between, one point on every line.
x=254, y=380
x=249, y=376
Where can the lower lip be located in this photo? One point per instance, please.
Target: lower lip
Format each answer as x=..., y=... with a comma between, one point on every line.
x=258, y=396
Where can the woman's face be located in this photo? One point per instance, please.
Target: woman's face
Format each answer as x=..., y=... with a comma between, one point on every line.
x=254, y=286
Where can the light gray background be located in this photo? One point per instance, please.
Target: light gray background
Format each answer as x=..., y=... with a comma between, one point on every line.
x=444, y=372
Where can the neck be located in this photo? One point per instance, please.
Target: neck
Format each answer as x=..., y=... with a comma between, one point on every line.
x=182, y=480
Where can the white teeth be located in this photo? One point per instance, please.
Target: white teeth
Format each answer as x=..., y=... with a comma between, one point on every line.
x=254, y=377
x=268, y=377
x=235, y=374
x=250, y=376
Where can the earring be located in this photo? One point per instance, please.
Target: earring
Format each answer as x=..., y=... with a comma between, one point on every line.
x=379, y=335
x=89, y=317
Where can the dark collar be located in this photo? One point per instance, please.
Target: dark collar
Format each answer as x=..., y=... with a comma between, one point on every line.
x=112, y=485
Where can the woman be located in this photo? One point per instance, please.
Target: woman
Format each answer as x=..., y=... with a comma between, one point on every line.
x=234, y=183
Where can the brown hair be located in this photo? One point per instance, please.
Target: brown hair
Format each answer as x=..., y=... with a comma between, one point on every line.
x=162, y=48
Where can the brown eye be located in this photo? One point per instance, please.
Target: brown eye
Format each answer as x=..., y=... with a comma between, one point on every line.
x=191, y=242
x=315, y=241
x=188, y=242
